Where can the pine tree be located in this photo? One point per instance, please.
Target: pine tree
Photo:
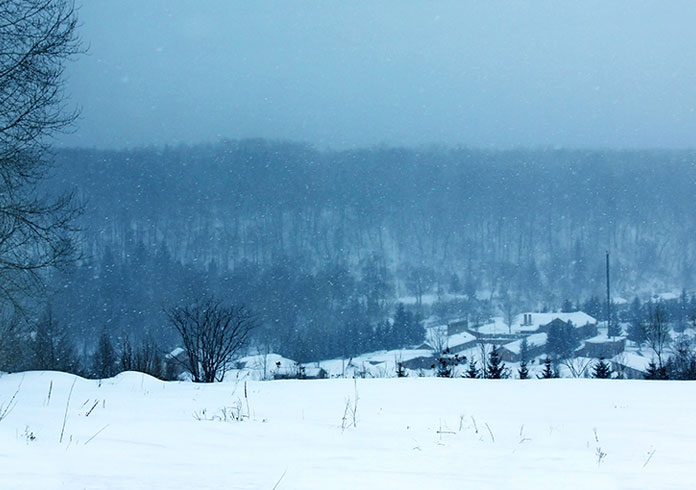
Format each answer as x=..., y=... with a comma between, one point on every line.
x=601, y=370
x=524, y=358
x=567, y=306
x=656, y=372
x=472, y=371
x=549, y=371
x=446, y=363
x=523, y=371
x=496, y=367
x=636, y=325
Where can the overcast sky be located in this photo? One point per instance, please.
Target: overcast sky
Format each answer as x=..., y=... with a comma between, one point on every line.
x=342, y=74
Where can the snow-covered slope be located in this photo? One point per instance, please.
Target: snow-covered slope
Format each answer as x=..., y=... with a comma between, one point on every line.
x=134, y=432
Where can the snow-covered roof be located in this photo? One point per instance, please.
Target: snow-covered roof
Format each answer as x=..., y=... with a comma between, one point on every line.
x=460, y=338
x=391, y=355
x=498, y=326
x=579, y=318
x=632, y=360
x=602, y=338
x=534, y=339
x=176, y=352
x=313, y=371
x=274, y=362
x=429, y=299
x=434, y=333
x=376, y=364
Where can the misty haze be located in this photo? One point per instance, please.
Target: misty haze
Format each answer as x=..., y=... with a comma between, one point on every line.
x=368, y=244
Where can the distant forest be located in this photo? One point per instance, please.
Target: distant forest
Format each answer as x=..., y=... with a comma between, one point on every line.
x=320, y=244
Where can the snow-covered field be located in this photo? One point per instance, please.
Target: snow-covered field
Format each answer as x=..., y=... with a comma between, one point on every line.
x=134, y=432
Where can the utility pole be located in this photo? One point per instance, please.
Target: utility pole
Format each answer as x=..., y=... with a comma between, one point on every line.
x=609, y=331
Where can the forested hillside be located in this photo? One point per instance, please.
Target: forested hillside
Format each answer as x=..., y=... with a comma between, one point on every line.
x=316, y=240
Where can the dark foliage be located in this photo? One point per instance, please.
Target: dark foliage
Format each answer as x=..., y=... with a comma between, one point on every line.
x=682, y=364
x=549, y=371
x=656, y=372
x=446, y=364
x=523, y=371
x=472, y=371
x=562, y=341
x=495, y=369
x=104, y=360
x=601, y=370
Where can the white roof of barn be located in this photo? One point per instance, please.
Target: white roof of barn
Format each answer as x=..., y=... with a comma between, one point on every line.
x=603, y=339
x=632, y=360
x=533, y=340
x=460, y=338
x=579, y=319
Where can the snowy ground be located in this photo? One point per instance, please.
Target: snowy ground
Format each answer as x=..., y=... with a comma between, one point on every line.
x=134, y=432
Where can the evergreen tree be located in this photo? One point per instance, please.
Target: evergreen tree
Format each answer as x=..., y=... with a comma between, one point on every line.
x=593, y=307
x=549, y=371
x=407, y=327
x=682, y=364
x=401, y=324
x=472, y=371
x=568, y=306
x=656, y=372
x=496, y=367
x=562, y=340
x=524, y=358
x=446, y=364
x=636, y=329
x=601, y=370
x=614, y=329
x=104, y=360
x=523, y=371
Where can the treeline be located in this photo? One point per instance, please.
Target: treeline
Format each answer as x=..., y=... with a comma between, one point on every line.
x=320, y=244
x=306, y=314
x=532, y=223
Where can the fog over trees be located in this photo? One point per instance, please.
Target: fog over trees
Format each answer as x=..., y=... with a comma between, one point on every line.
x=321, y=244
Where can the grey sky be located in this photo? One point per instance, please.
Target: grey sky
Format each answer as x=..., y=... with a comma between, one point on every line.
x=352, y=73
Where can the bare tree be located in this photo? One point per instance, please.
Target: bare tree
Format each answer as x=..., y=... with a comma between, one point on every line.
x=37, y=37
x=437, y=338
x=212, y=334
x=509, y=308
x=577, y=366
x=657, y=332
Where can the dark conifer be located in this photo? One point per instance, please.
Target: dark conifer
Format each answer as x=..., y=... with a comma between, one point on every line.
x=601, y=370
x=496, y=367
x=472, y=371
x=523, y=371
x=549, y=371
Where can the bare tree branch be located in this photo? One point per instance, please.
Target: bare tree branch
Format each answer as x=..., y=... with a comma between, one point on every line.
x=211, y=334
x=37, y=37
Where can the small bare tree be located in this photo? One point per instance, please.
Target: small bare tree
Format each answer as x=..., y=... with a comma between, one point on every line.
x=657, y=332
x=577, y=366
x=212, y=334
